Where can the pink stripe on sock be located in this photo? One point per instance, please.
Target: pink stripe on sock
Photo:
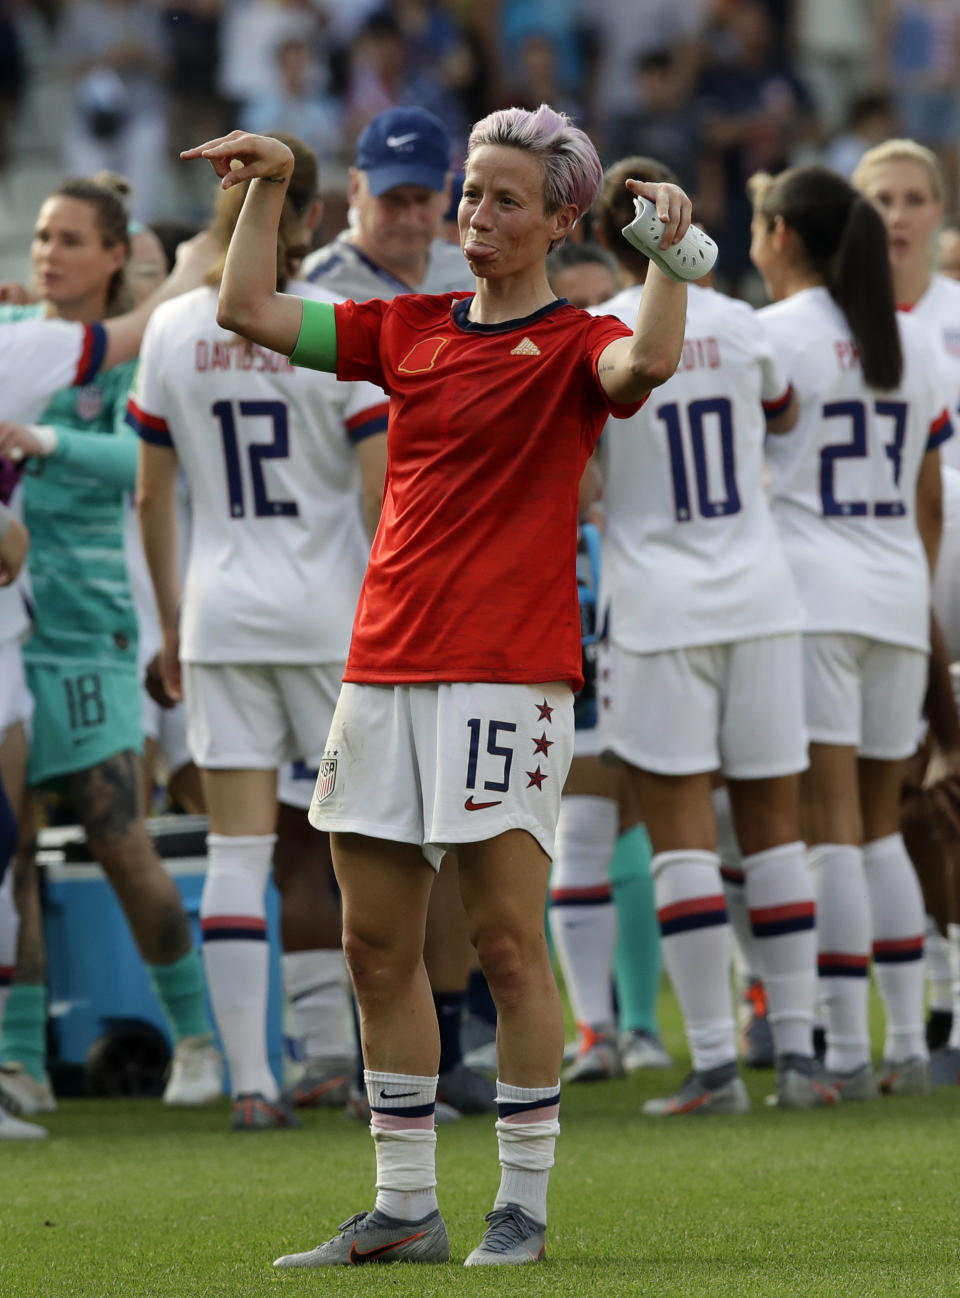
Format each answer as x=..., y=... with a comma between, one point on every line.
x=397, y=1122
x=549, y=1113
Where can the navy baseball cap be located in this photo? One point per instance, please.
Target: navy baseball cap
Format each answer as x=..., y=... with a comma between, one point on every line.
x=404, y=146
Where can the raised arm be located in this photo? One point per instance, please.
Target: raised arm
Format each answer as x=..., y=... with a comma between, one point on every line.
x=249, y=302
x=630, y=367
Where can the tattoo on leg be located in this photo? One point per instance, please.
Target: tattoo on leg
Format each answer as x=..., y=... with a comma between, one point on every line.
x=31, y=966
x=172, y=940
x=107, y=796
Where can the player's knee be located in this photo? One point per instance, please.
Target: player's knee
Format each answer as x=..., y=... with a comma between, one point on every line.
x=378, y=963
x=509, y=962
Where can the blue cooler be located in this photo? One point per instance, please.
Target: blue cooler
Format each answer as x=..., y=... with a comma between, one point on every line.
x=105, y=1022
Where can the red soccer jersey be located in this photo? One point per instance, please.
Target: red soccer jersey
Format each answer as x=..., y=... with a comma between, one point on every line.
x=472, y=575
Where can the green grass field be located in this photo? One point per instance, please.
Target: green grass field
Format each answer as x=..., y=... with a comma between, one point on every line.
x=128, y=1200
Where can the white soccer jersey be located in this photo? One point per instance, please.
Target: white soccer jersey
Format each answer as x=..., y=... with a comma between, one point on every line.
x=39, y=357
x=946, y=584
x=342, y=268
x=844, y=480
x=278, y=548
x=938, y=311
x=691, y=555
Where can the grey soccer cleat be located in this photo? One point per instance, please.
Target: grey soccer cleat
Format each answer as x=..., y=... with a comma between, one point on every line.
x=30, y=1095
x=511, y=1239
x=374, y=1237
x=252, y=1111
x=909, y=1077
x=859, y=1084
x=945, y=1067
x=640, y=1050
x=799, y=1089
x=721, y=1090
x=598, y=1057
x=324, y=1084
x=466, y=1090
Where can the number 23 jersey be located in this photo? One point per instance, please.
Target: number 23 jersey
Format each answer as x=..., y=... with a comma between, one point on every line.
x=844, y=480
x=691, y=555
x=278, y=547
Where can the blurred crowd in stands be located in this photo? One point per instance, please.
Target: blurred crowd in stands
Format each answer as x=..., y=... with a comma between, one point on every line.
x=719, y=88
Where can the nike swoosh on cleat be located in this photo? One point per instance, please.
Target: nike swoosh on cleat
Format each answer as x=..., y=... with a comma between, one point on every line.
x=470, y=805
x=357, y=1258
x=402, y=1095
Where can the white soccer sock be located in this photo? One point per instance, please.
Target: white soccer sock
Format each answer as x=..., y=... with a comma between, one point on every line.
x=953, y=937
x=896, y=907
x=528, y=1124
x=695, y=941
x=583, y=918
x=746, y=957
x=402, y=1123
x=318, y=988
x=843, y=952
x=9, y=927
x=236, y=954
x=780, y=898
x=937, y=967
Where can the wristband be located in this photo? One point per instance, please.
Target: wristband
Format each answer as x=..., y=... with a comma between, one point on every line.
x=691, y=258
x=316, y=347
x=46, y=436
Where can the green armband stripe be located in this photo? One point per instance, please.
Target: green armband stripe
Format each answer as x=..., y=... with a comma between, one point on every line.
x=317, y=341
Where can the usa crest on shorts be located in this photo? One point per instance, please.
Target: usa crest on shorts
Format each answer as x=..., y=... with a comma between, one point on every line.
x=326, y=779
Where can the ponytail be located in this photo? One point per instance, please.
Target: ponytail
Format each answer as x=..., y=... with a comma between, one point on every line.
x=843, y=241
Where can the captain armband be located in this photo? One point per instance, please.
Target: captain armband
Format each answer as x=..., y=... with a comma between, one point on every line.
x=316, y=347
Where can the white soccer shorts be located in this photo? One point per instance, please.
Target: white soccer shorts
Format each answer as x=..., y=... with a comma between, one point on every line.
x=295, y=784
x=442, y=764
x=733, y=707
x=864, y=694
x=257, y=716
x=16, y=701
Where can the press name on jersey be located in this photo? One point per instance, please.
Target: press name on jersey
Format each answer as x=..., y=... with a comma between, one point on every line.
x=700, y=354
x=210, y=355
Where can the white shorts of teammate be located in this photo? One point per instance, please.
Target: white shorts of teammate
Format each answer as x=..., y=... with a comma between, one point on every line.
x=733, y=707
x=16, y=701
x=863, y=693
x=438, y=765
x=295, y=784
x=255, y=717
x=167, y=727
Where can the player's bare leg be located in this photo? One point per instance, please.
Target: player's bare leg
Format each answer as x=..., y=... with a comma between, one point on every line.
x=504, y=885
x=107, y=798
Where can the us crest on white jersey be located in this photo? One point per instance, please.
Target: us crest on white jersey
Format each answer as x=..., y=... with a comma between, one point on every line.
x=326, y=779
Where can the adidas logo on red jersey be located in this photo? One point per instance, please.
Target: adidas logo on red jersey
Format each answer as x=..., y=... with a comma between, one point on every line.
x=526, y=348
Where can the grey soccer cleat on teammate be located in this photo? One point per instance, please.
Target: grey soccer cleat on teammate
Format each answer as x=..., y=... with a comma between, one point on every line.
x=466, y=1090
x=909, y=1077
x=598, y=1057
x=718, y=1090
x=373, y=1237
x=859, y=1084
x=799, y=1086
x=324, y=1084
x=945, y=1066
x=640, y=1049
x=30, y=1095
x=512, y=1238
x=252, y=1111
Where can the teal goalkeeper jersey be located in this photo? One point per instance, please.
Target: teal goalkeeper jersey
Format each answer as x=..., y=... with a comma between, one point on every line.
x=75, y=504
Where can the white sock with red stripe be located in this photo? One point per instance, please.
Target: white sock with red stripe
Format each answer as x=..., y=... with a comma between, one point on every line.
x=696, y=946
x=782, y=912
x=528, y=1123
x=746, y=958
x=318, y=989
x=9, y=927
x=583, y=917
x=843, y=952
x=233, y=922
x=896, y=907
x=402, y=1123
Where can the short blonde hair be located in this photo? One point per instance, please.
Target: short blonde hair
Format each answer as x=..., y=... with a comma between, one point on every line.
x=902, y=151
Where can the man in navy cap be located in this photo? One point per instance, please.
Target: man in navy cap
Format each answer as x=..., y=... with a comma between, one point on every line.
x=399, y=190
